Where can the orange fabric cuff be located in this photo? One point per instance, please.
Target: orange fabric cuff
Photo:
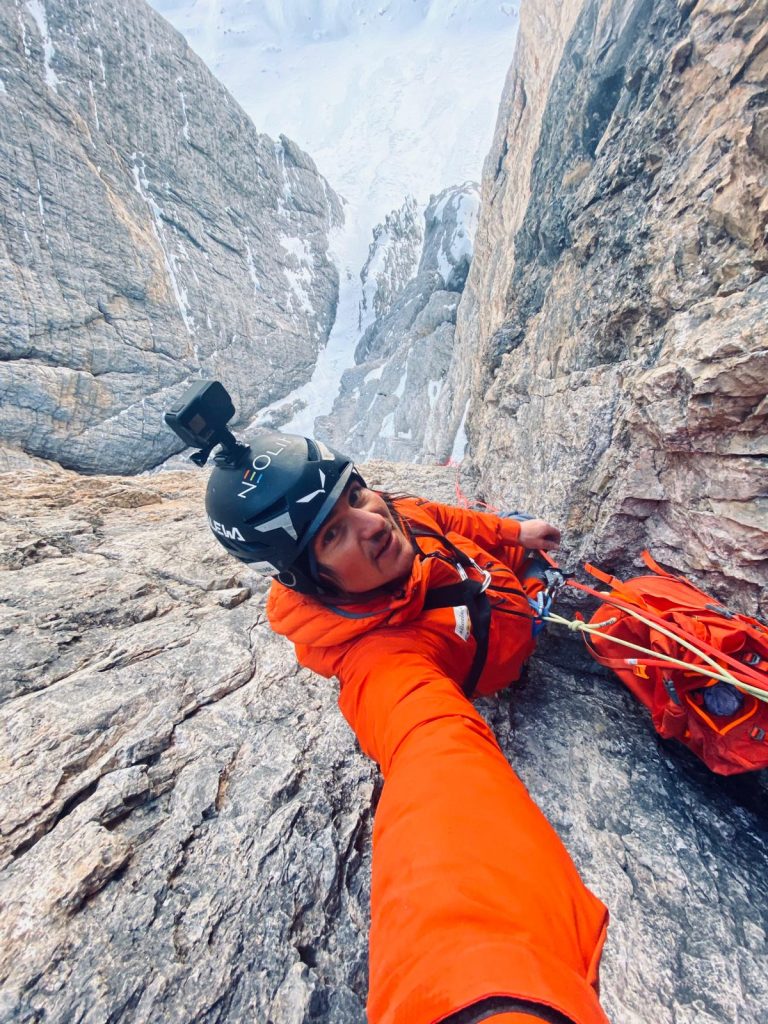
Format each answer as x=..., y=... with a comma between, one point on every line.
x=509, y=530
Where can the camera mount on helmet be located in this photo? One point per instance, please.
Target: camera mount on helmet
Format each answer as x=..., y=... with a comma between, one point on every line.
x=200, y=420
x=266, y=500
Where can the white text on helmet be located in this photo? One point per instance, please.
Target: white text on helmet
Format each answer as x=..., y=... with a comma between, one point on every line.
x=265, y=459
x=231, y=534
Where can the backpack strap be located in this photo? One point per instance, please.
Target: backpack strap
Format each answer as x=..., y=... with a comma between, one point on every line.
x=604, y=577
x=468, y=592
x=744, y=671
x=654, y=566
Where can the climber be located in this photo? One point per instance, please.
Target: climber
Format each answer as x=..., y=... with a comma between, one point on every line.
x=477, y=911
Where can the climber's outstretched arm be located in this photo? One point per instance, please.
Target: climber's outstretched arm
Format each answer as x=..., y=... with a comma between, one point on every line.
x=473, y=894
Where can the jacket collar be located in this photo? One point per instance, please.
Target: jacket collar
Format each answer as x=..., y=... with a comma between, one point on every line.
x=306, y=621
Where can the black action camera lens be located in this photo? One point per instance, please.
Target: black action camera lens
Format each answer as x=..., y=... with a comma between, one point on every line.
x=200, y=419
x=203, y=412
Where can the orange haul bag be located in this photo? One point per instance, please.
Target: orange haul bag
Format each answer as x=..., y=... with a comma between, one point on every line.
x=701, y=670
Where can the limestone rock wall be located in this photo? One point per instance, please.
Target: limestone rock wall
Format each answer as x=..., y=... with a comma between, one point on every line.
x=390, y=403
x=612, y=332
x=393, y=257
x=185, y=818
x=150, y=234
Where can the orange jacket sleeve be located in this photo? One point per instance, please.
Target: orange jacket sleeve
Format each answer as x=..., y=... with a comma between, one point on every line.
x=473, y=894
x=489, y=531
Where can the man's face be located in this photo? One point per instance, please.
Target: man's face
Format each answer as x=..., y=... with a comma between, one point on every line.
x=360, y=547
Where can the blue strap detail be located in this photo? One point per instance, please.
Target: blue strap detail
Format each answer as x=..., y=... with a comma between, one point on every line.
x=541, y=605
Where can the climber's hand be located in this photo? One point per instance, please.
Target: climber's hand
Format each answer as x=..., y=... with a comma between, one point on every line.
x=539, y=535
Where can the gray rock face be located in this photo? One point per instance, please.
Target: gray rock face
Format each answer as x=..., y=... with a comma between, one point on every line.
x=393, y=257
x=185, y=820
x=150, y=234
x=612, y=332
x=388, y=404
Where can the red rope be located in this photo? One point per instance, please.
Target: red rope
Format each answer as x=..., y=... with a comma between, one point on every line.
x=462, y=501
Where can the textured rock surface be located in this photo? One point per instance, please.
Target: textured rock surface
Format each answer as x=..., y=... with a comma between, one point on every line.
x=393, y=257
x=612, y=332
x=186, y=820
x=388, y=404
x=149, y=234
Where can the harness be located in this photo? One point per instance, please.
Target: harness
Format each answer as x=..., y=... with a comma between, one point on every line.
x=471, y=593
x=468, y=592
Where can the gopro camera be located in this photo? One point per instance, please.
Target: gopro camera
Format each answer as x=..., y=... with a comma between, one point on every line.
x=201, y=418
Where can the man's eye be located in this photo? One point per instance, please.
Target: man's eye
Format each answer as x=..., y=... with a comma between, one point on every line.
x=355, y=495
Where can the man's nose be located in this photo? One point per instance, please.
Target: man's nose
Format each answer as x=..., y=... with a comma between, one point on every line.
x=368, y=524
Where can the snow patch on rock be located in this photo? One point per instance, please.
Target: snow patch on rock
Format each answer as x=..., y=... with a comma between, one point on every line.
x=379, y=129
x=37, y=9
x=388, y=405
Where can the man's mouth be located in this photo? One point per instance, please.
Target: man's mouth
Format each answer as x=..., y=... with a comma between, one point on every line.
x=386, y=545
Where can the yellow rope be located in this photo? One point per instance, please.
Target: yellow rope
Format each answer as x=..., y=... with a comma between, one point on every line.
x=720, y=673
x=684, y=643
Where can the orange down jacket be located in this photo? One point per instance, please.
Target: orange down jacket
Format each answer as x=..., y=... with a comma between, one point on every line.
x=472, y=895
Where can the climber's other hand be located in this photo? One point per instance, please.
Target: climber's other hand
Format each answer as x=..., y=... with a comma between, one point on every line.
x=539, y=535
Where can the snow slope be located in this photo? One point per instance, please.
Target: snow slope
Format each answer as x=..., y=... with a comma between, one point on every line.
x=390, y=98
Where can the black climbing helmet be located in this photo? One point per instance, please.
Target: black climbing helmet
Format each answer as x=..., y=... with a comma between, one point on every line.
x=266, y=509
x=267, y=500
